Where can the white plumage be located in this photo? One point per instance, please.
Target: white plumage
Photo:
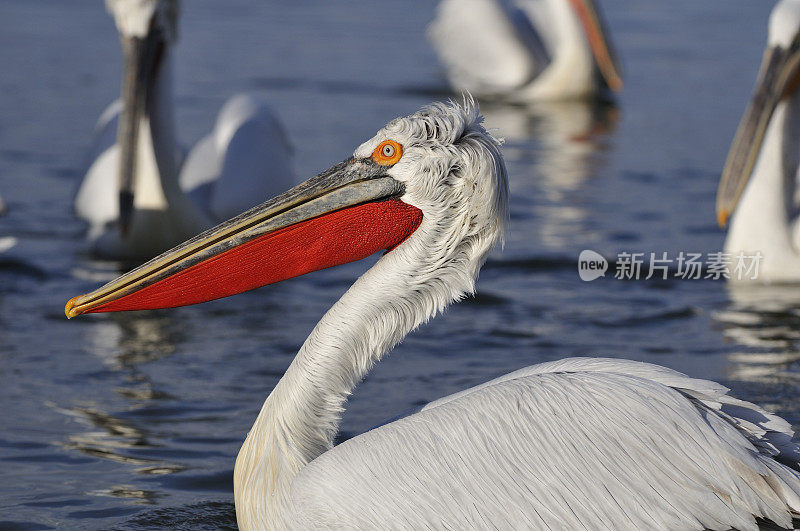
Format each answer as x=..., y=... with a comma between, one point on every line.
x=245, y=159
x=524, y=50
x=575, y=444
x=6, y=242
x=766, y=218
x=570, y=444
x=135, y=17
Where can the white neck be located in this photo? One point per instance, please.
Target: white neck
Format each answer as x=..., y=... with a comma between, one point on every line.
x=300, y=418
x=165, y=216
x=764, y=219
x=571, y=71
x=156, y=167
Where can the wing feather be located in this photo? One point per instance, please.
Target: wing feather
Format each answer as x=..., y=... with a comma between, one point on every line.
x=583, y=443
x=243, y=162
x=95, y=199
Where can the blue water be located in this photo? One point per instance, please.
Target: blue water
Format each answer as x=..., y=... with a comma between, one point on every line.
x=133, y=421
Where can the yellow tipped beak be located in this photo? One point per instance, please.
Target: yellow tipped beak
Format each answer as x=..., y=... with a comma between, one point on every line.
x=777, y=78
x=69, y=309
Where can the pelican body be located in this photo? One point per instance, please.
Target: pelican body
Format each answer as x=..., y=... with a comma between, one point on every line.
x=576, y=443
x=758, y=189
x=138, y=194
x=6, y=242
x=525, y=50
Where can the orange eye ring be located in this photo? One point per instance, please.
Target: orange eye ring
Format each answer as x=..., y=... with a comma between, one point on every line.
x=387, y=153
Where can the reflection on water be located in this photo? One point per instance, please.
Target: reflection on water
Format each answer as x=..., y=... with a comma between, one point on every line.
x=555, y=148
x=766, y=321
x=144, y=497
x=110, y=437
x=123, y=342
x=553, y=124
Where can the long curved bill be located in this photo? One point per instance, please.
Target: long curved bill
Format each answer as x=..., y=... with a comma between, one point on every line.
x=344, y=214
x=778, y=76
x=599, y=42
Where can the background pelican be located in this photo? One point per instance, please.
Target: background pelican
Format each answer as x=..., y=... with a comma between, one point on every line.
x=6, y=242
x=525, y=50
x=558, y=445
x=151, y=201
x=759, y=183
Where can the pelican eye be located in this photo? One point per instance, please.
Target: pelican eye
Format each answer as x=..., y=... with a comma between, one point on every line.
x=387, y=153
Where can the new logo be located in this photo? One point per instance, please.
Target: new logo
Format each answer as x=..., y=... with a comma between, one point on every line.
x=591, y=265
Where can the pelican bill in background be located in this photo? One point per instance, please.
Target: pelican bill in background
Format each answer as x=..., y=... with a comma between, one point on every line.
x=525, y=50
x=582, y=442
x=758, y=191
x=138, y=194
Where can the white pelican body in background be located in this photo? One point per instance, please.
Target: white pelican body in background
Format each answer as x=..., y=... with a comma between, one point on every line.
x=6, y=242
x=525, y=50
x=155, y=198
x=759, y=184
x=577, y=443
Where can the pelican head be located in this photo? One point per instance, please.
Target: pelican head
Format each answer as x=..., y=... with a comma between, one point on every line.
x=146, y=29
x=430, y=187
x=140, y=18
x=778, y=79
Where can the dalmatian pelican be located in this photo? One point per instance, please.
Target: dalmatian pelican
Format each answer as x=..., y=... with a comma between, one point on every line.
x=6, y=242
x=525, y=50
x=138, y=195
x=758, y=191
x=570, y=444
